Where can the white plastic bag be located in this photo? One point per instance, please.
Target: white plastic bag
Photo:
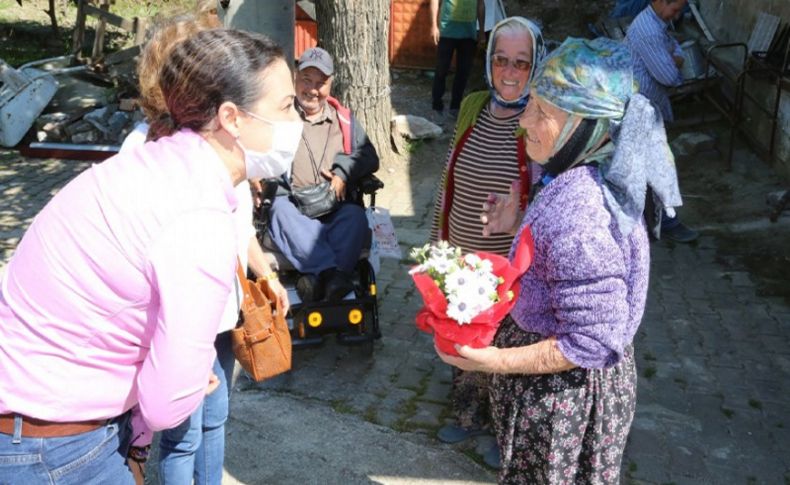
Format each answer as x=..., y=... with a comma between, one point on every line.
x=373, y=256
x=385, y=242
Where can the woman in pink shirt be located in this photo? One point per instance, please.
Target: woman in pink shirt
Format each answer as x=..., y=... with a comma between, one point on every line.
x=113, y=298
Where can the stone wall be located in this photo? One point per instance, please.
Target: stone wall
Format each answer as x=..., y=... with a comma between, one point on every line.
x=733, y=21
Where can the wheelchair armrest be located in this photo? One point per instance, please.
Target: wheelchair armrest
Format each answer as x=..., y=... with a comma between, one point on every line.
x=370, y=184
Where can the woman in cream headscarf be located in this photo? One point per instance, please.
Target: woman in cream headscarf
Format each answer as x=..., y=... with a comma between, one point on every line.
x=564, y=384
x=486, y=156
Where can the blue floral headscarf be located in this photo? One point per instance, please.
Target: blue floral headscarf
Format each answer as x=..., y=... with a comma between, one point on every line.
x=538, y=53
x=593, y=79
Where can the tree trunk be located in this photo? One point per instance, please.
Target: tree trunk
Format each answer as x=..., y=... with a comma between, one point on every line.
x=53, y=20
x=273, y=18
x=355, y=33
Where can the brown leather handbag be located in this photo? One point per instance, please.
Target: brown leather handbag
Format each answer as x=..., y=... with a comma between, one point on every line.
x=261, y=341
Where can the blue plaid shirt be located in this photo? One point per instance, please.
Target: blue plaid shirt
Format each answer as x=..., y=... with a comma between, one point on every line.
x=652, y=49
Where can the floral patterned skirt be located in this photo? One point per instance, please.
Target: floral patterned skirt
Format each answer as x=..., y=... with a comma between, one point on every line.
x=470, y=399
x=564, y=428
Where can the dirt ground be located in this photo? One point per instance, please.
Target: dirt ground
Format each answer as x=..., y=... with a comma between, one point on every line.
x=561, y=18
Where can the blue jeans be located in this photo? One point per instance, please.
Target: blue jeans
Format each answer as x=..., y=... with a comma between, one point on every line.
x=95, y=457
x=196, y=447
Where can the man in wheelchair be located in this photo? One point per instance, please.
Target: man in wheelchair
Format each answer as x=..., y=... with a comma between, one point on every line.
x=317, y=220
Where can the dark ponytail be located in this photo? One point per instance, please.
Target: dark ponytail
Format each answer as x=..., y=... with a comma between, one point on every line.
x=162, y=126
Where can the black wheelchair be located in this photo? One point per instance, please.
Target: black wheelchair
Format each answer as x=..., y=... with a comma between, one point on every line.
x=354, y=320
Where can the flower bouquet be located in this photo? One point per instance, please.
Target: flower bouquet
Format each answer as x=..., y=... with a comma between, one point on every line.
x=466, y=296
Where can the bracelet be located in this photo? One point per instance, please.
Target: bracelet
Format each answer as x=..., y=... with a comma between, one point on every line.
x=270, y=276
x=139, y=453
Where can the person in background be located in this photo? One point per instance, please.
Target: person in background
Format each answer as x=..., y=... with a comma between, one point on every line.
x=114, y=295
x=334, y=147
x=563, y=388
x=632, y=8
x=195, y=449
x=486, y=156
x=628, y=8
x=495, y=13
x=456, y=27
x=657, y=61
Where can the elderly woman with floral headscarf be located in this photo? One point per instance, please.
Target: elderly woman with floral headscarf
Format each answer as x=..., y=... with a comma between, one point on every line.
x=486, y=156
x=563, y=391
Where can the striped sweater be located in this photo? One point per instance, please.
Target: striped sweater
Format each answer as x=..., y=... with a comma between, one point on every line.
x=486, y=162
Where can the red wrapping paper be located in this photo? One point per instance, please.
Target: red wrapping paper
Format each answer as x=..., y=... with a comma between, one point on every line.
x=479, y=333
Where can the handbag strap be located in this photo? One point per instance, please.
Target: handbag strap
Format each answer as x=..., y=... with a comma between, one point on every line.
x=247, y=301
x=245, y=285
x=316, y=165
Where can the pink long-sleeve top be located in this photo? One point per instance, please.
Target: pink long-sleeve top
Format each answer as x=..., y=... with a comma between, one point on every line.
x=114, y=295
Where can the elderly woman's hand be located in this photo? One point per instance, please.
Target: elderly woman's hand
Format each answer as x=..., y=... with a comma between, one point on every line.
x=543, y=357
x=502, y=213
x=487, y=359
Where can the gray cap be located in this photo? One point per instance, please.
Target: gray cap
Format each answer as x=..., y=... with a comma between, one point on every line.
x=318, y=58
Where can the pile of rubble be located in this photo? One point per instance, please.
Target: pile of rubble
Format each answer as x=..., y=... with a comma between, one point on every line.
x=107, y=125
x=66, y=104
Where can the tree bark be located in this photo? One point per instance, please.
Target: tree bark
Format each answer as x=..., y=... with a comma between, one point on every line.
x=356, y=34
x=273, y=18
x=53, y=20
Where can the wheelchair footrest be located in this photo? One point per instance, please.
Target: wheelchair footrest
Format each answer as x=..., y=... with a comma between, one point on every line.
x=355, y=339
x=303, y=343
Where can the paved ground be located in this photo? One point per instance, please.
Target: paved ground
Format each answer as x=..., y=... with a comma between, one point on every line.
x=713, y=351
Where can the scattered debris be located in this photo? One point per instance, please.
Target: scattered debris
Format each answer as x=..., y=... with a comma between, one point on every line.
x=24, y=93
x=692, y=143
x=84, y=101
x=80, y=105
x=778, y=201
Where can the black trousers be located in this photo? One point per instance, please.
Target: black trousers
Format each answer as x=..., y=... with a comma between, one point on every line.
x=464, y=57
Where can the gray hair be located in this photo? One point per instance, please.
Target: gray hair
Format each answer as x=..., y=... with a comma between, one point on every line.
x=511, y=26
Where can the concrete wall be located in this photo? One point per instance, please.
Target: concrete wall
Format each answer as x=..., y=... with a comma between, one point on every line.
x=733, y=21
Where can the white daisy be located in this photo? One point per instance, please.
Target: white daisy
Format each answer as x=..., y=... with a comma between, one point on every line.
x=458, y=280
x=460, y=311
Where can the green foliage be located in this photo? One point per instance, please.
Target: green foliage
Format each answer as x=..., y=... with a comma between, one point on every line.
x=26, y=32
x=413, y=146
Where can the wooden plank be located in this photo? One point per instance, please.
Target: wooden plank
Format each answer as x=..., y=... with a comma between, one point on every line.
x=140, y=27
x=763, y=32
x=98, y=41
x=69, y=151
x=110, y=18
x=79, y=29
x=122, y=55
x=698, y=18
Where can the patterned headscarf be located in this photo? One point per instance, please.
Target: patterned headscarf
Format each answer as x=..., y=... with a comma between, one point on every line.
x=538, y=53
x=593, y=79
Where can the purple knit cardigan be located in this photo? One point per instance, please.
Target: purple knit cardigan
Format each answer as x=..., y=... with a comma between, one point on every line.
x=588, y=283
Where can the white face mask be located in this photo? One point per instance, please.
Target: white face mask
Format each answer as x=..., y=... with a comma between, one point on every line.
x=278, y=160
